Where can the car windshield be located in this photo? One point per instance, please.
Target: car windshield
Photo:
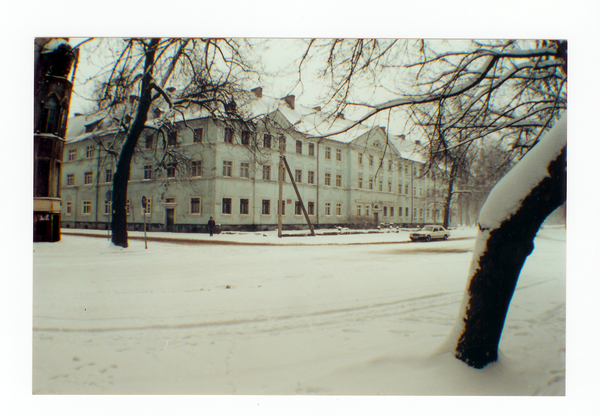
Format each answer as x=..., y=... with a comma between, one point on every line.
x=427, y=228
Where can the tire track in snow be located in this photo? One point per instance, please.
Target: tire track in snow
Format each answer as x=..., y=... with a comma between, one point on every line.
x=322, y=317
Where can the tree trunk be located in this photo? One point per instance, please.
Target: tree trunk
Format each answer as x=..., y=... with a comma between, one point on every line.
x=448, y=199
x=121, y=176
x=497, y=271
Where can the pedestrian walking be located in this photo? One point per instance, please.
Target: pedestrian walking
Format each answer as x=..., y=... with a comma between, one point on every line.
x=211, y=226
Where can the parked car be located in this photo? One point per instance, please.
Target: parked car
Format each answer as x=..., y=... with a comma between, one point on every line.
x=430, y=232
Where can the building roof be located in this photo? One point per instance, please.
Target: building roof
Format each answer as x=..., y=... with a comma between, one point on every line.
x=309, y=121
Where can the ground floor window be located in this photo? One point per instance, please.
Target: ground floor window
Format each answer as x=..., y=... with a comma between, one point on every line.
x=391, y=211
x=311, y=208
x=399, y=211
x=282, y=208
x=359, y=210
x=266, y=207
x=327, y=208
x=195, y=205
x=226, y=206
x=148, y=209
x=338, y=209
x=298, y=208
x=385, y=211
x=367, y=210
x=107, y=205
x=86, y=207
x=69, y=208
x=244, y=206
x=406, y=212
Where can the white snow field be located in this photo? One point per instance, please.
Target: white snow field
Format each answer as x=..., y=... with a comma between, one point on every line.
x=328, y=317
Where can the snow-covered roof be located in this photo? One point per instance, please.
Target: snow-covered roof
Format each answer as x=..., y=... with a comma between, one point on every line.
x=309, y=121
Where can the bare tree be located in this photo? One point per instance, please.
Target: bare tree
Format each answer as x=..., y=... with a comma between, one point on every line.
x=510, y=91
x=206, y=73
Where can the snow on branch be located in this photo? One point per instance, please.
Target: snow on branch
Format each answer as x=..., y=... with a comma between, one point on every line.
x=507, y=195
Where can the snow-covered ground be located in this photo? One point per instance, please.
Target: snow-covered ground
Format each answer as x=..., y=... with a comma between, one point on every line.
x=322, y=315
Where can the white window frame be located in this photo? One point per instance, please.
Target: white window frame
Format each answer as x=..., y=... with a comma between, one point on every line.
x=191, y=211
x=338, y=180
x=338, y=155
x=223, y=206
x=88, y=178
x=298, y=176
x=68, y=208
x=328, y=209
x=227, y=168
x=148, y=210
x=247, y=206
x=266, y=172
x=327, y=179
x=69, y=181
x=196, y=168
x=86, y=207
x=245, y=170
x=338, y=208
x=311, y=177
x=72, y=154
x=359, y=210
x=148, y=172
x=107, y=205
x=327, y=152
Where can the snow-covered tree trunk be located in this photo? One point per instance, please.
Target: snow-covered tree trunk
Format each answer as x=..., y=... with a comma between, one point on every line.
x=508, y=223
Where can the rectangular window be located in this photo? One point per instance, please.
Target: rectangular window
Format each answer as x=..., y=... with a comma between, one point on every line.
x=282, y=143
x=198, y=135
x=266, y=207
x=338, y=180
x=391, y=211
x=338, y=209
x=370, y=160
x=406, y=212
x=390, y=165
x=86, y=207
x=194, y=205
x=266, y=173
x=282, y=207
x=196, y=168
x=228, y=135
x=297, y=208
x=359, y=210
x=72, y=154
x=311, y=176
x=172, y=137
x=69, y=208
x=327, y=152
x=311, y=149
x=311, y=208
x=89, y=178
x=367, y=210
x=338, y=155
x=148, y=209
x=389, y=186
x=406, y=189
x=71, y=179
x=149, y=141
x=89, y=152
x=371, y=183
x=380, y=185
x=282, y=172
x=245, y=137
x=385, y=211
x=226, y=206
x=360, y=158
x=298, y=176
x=244, y=206
x=327, y=208
x=328, y=179
x=245, y=169
x=414, y=213
x=108, y=177
x=227, y=166
x=400, y=188
x=421, y=213
x=299, y=147
x=107, y=207
x=127, y=207
x=360, y=181
x=171, y=170
x=399, y=211
x=147, y=172
x=267, y=141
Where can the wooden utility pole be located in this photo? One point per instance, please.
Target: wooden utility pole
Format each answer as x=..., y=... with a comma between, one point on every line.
x=312, y=231
x=280, y=201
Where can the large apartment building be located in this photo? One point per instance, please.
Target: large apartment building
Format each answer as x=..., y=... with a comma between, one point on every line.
x=206, y=166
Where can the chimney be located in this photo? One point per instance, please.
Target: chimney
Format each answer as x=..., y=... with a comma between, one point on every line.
x=257, y=91
x=290, y=100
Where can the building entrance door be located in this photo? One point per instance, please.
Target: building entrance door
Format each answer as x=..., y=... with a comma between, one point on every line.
x=170, y=219
x=376, y=218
